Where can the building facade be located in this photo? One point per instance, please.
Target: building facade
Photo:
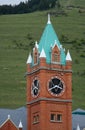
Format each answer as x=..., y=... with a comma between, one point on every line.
x=49, y=84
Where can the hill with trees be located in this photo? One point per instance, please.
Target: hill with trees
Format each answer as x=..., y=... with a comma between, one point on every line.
x=18, y=34
x=28, y=6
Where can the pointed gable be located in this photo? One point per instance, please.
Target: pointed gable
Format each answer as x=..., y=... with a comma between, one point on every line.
x=51, y=45
x=55, y=53
x=15, y=115
x=8, y=125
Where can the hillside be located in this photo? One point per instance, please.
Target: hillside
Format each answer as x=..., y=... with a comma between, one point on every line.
x=77, y=3
x=17, y=36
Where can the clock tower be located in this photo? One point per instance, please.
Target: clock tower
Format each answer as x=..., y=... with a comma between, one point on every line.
x=49, y=84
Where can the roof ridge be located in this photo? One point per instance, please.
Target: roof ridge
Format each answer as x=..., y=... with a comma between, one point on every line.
x=7, y=120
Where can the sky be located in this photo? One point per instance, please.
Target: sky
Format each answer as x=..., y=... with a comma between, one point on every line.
x=12, y=2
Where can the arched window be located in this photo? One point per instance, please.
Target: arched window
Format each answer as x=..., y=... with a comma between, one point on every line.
x=55, y=55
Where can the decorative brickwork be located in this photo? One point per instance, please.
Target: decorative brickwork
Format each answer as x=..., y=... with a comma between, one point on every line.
x=49, y=99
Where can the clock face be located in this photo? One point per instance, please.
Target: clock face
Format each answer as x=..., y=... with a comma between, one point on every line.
x=56, y=86
x=35, y=87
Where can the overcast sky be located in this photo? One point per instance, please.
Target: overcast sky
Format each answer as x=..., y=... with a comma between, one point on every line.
x=12, y=2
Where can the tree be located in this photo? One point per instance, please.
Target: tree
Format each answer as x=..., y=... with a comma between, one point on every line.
x=28, y=6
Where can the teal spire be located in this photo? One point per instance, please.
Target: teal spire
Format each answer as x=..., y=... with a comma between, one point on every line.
x=47, y=41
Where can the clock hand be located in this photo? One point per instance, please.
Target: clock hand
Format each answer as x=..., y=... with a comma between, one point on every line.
x=35, y=87
x=52, y=83
x=56, y=86
x=53, y=87
x=59, y=84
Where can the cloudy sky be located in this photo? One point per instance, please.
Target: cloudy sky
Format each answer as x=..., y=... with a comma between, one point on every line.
x=13, y=2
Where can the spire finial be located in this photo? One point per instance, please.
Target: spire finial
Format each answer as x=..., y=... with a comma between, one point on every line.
x=42, y=54
x=78, y=128
x=20, y=125
x=68, y=56
x=49, y=22
x=29, y=60
x=36, y=45
x=8, y=116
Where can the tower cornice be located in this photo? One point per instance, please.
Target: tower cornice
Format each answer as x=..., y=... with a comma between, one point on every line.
x=51, y=69
x=49, y=99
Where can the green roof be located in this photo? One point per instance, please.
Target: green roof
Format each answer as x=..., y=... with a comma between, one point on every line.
x=79, y=112
x=47, y=41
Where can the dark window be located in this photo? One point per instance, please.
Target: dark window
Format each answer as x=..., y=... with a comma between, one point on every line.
x=59, y=117
x=52, y=118
x=36, y=119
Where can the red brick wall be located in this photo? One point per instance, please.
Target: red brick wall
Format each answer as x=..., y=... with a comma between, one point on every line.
x=44, y=107
x=8, y=126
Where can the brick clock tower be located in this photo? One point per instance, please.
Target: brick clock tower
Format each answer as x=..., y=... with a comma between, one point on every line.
x=49, y=84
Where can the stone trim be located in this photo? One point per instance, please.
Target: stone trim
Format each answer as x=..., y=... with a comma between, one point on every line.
x=46, y=68
x=49, y=99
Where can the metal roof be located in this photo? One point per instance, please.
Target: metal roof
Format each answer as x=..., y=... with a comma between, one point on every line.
x=78, y=117
x=20, y=114
x=47, y=41
x=16, y=115
x=79, y=111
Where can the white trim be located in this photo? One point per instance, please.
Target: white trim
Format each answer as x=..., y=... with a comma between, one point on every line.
x=29, y=60
x=42, y=54
x=78, y=128
x=49, y=22
x=68, y=56
x=36, y=45
x=6, y=122
x=20, y=125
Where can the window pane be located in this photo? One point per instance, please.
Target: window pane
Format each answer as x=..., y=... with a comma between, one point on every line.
x=59, y=117
x=52, y=117
x=36, y=119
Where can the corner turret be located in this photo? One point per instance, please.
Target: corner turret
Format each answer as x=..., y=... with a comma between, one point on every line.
x=42, y=58
x=68, y=61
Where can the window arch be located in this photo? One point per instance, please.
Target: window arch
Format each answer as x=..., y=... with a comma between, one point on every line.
x=55, y=55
